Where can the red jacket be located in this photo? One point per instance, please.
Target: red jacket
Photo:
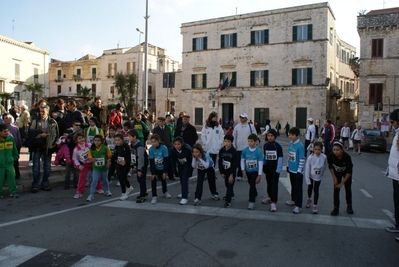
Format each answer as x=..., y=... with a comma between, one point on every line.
x=115, y=118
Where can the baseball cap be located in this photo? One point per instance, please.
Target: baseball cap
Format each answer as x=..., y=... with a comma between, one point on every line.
x=244, y=115
x=310, y=119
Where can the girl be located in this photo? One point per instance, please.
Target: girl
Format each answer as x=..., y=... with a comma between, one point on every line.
x=340, y=165
x=181, y=158
x=100, y=155
x=81, y=161
x=110, y=142
x=314, y=171
x=159, y=164
x=212, y=136
x=122, y=159
x=92, y=130
x=204, y=163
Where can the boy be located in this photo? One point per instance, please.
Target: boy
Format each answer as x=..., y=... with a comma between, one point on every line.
x=139, y=162
x=251, y=165
x=296, y=162
x=228, y=161
x=8, y=154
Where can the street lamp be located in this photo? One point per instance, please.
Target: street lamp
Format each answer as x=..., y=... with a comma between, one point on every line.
x=138, y=69
x=145, y=57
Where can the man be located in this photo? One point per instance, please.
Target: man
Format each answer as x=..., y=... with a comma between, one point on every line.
x=115, y=118
x=23, y=123
x=171, y=125
x=101, y=113
x=164, y=133
x=345, y=134
x=14, y=131
x=310, y=134
x=58, y=113
x=73, y=114
x=240, y=133
x=43, y=132
x=278, y=127
x=329, y=135
x=187, y=131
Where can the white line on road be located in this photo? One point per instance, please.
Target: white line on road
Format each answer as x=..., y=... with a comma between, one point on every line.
x=389, y=213
x=14, y=255
x=365, y=193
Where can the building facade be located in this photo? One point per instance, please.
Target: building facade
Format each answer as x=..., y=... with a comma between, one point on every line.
x=379, y=60
x=286, y=65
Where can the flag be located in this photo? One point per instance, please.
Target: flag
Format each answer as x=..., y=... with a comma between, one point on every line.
x=220, y=84
x=225, y=84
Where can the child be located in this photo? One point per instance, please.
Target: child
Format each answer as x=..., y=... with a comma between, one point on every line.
x=314, y=171
x=357, y=138
x=100, y=155
x=8, y=154
x=204, y=163
x=296, y=162
x=181, y=156
x=139, y=161
x=340, y=165
x=228, y=163
x=230, y=130
x=126, y=127
x=81, y=162
x=92, y=130
x=110, y=142
x=272, y=167
x=251, y=165
x=63, y=149
x=122, y=159
x=159, y=164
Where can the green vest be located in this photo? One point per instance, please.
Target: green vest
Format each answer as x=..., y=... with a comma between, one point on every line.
x=100, y=158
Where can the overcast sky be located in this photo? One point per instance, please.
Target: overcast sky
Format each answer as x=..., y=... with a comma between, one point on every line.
x=71, y=29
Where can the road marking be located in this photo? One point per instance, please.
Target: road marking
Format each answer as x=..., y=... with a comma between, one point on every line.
x=365, y=193
x=90, y=261
x=14, y=255
x=285, y=181
x=247, y=214
x=389, y=213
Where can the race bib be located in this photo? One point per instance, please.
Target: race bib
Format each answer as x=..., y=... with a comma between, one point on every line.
x=112, y=148
x=126, y=139
x=120, y=159
x=99, y=162
x=292, y=156
x=270, y=155
x=339, y=168
x=315, y=171
x=158, y=162
x=226, y=164
x=251, y=164
x=200, y=166
x=133, y=156
x=83, y=157
x=182, y=161
x=90, y=139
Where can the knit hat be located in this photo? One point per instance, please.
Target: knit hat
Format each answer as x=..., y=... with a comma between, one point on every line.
x=394, y=115
x=273, y=132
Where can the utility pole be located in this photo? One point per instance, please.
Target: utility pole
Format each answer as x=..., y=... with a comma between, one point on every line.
x=146, y=57
x=138, y=70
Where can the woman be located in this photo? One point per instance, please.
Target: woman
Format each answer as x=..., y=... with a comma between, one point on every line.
x=212, y=136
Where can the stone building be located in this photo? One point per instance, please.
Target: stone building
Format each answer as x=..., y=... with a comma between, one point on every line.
x=286, y=65
x=21, y=63
x=379, y=61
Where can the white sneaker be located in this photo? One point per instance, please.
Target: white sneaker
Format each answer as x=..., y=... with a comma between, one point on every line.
x=154, y=200
x=90, y=198
x=129, y=190
x=273, y=207
x=108, y=193
x=308, y=202
x=118, y=184
x=297, y=210
x=266, y=200
x=238, y=178
x=290, y=203
x=183, y=201
x=129, y=174
x=30, y=163
x=77, y=195
x=251, y=205
x=180, y=195
x=100, y=191
x=167, y=195
x=124, y=196
x=314, y=210
x=215, y=197
x=197, y=202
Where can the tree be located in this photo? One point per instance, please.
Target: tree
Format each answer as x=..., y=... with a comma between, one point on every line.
x=354, y=64
x=126, y=87
x=84, y=91
x=34, y=89
x=4, y=97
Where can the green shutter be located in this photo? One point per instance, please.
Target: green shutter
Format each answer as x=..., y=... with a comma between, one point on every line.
x=310, y=32
x=252, y=78
x=294, y=76
x=205, y=43
x=194, y=44
x=252, y=37
x=222, y=41
x=193, y=81
x=309, y=76
x=234, y=39
x=233, y=79
x=266, y=36
x=204, y=80
x=294, y=33
x=266, y=78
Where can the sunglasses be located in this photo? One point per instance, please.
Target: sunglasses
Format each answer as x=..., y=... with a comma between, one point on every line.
x=76, y=125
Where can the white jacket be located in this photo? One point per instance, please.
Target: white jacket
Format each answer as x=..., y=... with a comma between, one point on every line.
x=315, y=167
x=393, y=160
x=310, y=133
x=241, y=133
x=212, y=139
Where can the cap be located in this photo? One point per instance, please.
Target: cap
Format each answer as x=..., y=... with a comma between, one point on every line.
x=161, y=118
x=273, y=132
x=244, y=115
x=310, y=119
x=186, y=116
x=394, y=115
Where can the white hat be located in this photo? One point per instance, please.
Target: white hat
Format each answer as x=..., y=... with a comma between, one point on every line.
x=244, y=115
x=24, y=106
x=310, y=119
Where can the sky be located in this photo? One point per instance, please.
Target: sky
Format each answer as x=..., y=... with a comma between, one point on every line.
x=71, y=29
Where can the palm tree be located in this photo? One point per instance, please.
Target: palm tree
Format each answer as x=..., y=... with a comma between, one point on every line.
x=126, y=86
x=84, y=91
x=4, y=96
x=34, y=89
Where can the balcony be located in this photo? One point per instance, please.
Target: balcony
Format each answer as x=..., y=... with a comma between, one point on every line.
x=77, y=77
x=111, y=96
x=93, y=77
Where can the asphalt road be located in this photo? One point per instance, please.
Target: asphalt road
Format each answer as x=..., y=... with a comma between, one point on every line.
x=59, y=230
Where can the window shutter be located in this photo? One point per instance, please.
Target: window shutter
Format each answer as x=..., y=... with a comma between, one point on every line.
x=266, y=78
x=205, y=43
x=266, y=36
x=310, y=32
x=294, y=76
x=252, y=38
x=194, y=44
x=252, y=78
x=294, y=33
x=309, y=76
x=204, y=80
x=221, y=78
x=233, y=79
x=193, y=81
x=234, y=39
x=222, y=41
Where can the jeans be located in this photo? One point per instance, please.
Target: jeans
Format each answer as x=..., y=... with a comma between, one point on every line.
x=68, y=169
x=41, y=155
x=158, y=175
x=210, y=172
x=94, y=182
x=229, y=188
x=348, y=190
x=296, y=188
x=183, y=175
x=272, y=178
x=396, y=201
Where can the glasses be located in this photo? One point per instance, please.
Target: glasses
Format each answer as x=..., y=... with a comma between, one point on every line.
x=76, y=125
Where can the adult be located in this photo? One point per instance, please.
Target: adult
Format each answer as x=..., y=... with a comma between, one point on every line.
x=345, y=134
x=328, y=135
x=240, y=133
x=14, y=131
x=212, y=136
x=187, y=131
x=87, y=114
x=115, y=118
x=34, y=114
x=287, y=128
x=101, y=113
x=171, y=125
x=179, y=120
x=357, y=138
x=13, y=112
x=58, y=113
x=393, y=171
x=43, y=134
x=257, y=127
x=147, y=119
x=278, y=128
x=310, y=135
x=73, y=114
x=23, y=122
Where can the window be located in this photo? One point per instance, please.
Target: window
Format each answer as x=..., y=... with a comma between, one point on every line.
x=377, y=47
x=199, y=117
x=112, y=67
x=343, y=56
x=375, y=93
x=260, y=78
x=228, y=40
x=111, y=93
x=130, y=67
x=301, y=115
x=59, y=76
x=94, y=89
x=259, y=37
x=17, y=72
x=78, y=87
x=198, y=80
x=149, y=90
x=78, y=74
x=261, y=114
x=331, y=37
x=35, y=75
x=301, y=76
x=302, y=33
x=94, y=73
x=231, y=78
x=59, y=89
x=200, y=43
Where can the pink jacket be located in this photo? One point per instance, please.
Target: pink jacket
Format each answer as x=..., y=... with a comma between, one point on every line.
x=80, y=155
x=63, y=153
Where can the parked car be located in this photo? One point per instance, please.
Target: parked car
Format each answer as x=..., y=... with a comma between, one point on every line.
x=373, y=139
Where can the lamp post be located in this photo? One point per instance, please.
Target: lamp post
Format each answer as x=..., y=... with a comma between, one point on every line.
x=145, y=57
x=138, y=69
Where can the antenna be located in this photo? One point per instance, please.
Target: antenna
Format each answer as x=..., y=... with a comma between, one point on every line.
x=236, y=10
x=12, y=29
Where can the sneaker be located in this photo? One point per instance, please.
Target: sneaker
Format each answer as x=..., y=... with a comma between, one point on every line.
x=140, y=199
x=118, y=184
x=215, y=197
x=290, y=203
x=238, y=178
x=251, y=205
x=154, y=200
x=315, y=210
x=108, y=193
x=359, y=153
x=349, y=209
x=129, y=174
x=266, y=200
x=227, y=205
x=123, y=196
x=180, y=195
x=77, y=195
x=129, y=190
x=34, y=190
x=90, y=198
x=273, y=207
x=167, y=195
x=296, y=210
x=392, y=229
x=197, y=202
x=30, y=163
x=232, y=197
x=87, y=184
x=308, y=202
x=100, y=191
x=46, y=188
x=397, y=238
x=183, y=201
x=14, y=195
x=335, y=212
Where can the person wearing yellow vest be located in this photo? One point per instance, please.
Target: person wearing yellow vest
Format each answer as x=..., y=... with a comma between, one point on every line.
x=8, y=154
x=92, y=130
